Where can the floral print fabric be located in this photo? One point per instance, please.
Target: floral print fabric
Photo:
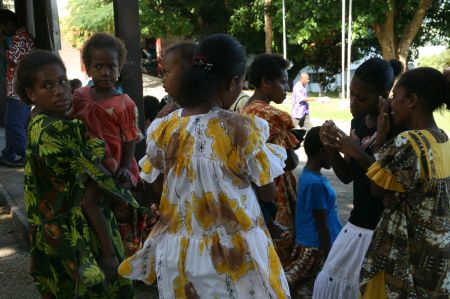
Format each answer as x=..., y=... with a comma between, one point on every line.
x=411, y=244
x=210, y=240
x=280, y=126
x=64, y=247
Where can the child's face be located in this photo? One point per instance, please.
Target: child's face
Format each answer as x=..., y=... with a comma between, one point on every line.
x=51, y=90
x=172, y=68
x=104, y=69
x=277, y=89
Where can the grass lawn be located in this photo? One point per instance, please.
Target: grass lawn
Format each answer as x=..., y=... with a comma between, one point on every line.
x=338, y=110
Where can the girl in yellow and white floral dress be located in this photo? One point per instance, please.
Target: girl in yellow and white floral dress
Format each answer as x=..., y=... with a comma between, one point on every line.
x=211, y=165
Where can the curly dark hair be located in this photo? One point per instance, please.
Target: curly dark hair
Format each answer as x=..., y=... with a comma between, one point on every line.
x=103, y=41
x=430, y=85
x=266, y=66
x=312, y=143
x=380, y=74
x=185, y=49
x=28, y=66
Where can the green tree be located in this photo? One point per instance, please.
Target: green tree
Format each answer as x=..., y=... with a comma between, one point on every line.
x=439, y=61
x=86, y=17
x=159, y=18
x=393, y=28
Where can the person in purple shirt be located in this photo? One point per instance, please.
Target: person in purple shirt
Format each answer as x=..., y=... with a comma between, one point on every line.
x=300, y=106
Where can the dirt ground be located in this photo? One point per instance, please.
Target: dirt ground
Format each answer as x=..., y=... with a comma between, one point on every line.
x=15, y=280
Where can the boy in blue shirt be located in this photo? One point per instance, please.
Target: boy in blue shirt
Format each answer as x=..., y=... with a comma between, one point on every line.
x=316, y=219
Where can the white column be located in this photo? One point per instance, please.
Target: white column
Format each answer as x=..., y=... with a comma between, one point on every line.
x=284, y=32
x=349, y=46
x=343, y=52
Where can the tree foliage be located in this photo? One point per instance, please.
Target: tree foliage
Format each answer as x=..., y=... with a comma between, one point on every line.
x=438, y=61
x=313, y=26
x=86, y=17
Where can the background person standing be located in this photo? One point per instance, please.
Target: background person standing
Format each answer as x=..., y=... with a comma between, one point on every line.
x=300, y=106
x=17, y=112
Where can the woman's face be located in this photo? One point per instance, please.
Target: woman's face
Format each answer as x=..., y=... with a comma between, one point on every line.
x=400, y=109
x=51, y=90
x=363, y=99
x=277, y=89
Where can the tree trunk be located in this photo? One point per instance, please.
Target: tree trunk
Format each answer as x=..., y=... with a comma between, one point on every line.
x=398, y=47
x=268, y=29
x=410, y=31
x=385, y=33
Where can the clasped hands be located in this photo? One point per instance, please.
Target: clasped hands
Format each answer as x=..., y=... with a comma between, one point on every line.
x=332, y=136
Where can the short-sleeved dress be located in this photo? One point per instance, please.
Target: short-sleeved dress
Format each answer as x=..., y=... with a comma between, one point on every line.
x=280, y=125
x=211, y=240
x=410, y=249
x=65, y=250
x=113, y=120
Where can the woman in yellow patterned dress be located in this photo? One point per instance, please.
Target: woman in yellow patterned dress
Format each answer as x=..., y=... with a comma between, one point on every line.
x=409, y=253
x=211, y=240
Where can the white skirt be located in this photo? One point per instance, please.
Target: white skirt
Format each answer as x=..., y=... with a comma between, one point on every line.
x=339, y=278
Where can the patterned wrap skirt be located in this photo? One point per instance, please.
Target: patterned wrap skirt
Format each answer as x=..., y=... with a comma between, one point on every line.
x=306, y=262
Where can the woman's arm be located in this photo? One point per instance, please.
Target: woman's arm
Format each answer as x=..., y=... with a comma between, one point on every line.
x=341, y=167
x=320, y=218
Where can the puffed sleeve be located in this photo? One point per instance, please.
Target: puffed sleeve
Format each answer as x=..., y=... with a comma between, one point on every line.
x=152, y=164
x=129, y=121
x=265, y=161
x=398, y=166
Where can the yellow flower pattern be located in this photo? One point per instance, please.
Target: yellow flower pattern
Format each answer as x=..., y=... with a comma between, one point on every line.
x=210, y=241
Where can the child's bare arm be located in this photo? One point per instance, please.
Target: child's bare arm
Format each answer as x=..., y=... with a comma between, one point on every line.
x=266, y=193
x=320, y=218
x=123, y=173
x=98, y=221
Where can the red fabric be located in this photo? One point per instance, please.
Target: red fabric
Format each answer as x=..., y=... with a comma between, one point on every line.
x=113, y=120
x=21, y=44
x=280, y=126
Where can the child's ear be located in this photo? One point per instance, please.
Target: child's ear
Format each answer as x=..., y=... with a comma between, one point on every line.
x=31, y=94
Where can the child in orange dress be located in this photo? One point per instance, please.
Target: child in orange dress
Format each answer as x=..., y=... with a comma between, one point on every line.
x=108, y=114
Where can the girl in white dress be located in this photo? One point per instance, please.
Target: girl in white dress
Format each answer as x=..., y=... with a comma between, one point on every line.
x=211, y=165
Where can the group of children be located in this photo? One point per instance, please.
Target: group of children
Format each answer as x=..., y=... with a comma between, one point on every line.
x=232, y=221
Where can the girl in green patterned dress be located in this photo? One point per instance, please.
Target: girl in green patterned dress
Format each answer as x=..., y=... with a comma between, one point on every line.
x=71, y=258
